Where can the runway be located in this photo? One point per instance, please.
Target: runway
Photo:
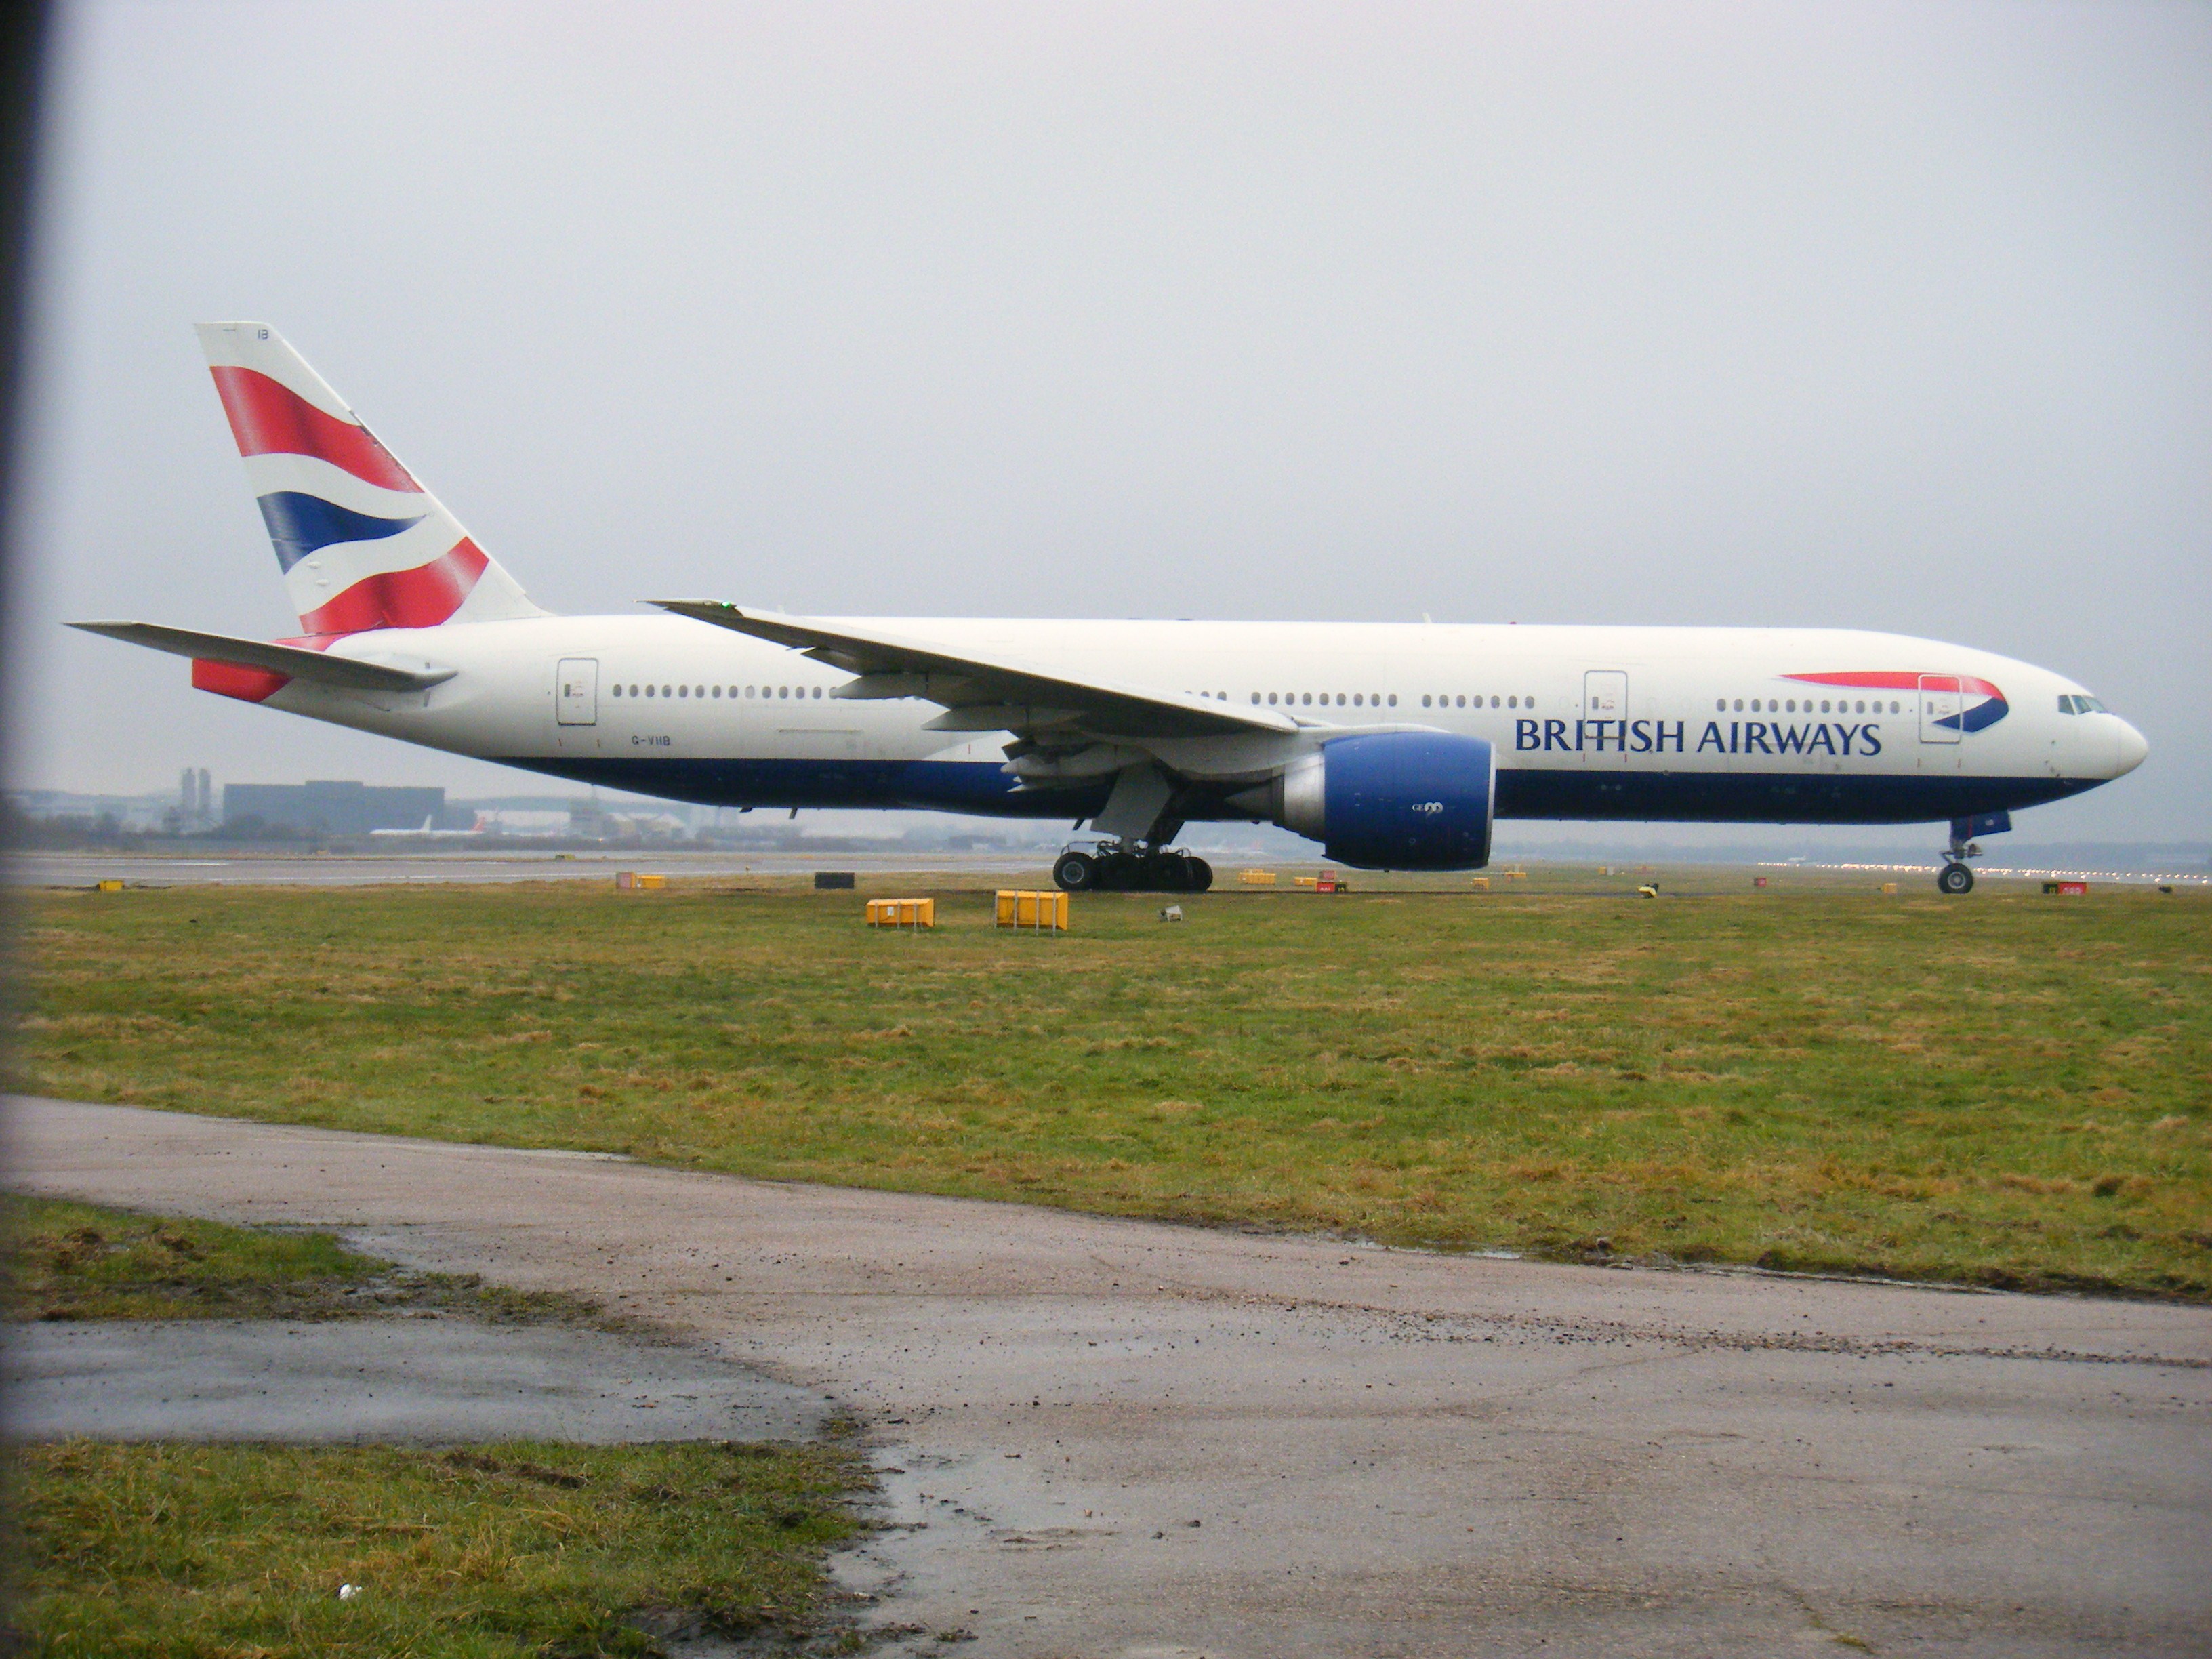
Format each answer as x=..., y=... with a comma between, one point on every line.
x=1120, y=1439
x=382, y=869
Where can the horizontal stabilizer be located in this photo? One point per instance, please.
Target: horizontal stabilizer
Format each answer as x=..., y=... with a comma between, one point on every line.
x=291, y=660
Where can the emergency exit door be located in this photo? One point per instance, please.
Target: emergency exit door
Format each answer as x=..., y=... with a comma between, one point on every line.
x=576, y=692
x=1605, y=717
x=1941, y=700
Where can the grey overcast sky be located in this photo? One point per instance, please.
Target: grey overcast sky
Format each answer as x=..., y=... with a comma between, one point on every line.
x=1885, y=316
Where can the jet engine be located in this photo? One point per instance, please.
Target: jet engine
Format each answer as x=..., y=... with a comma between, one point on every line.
x=1389, y=800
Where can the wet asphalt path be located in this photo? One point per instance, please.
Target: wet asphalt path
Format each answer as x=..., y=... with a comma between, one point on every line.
x=423, y=1378
x=1118, y=1438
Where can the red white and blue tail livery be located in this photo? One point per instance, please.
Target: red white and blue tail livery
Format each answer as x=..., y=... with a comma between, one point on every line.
x=1394, y=746
x=361, y=545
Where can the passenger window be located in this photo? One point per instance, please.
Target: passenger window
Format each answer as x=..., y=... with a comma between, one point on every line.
x=1394, y=699
x=649, y=690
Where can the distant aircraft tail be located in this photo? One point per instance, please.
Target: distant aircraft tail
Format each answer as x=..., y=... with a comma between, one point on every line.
x=361, y=544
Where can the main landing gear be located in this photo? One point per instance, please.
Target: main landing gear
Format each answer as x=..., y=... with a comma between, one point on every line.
x=1130, y=868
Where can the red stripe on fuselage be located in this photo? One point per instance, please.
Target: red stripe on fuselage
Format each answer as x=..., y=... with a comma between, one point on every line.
x=1892, y=682
x=420, y=598
x=269, y=418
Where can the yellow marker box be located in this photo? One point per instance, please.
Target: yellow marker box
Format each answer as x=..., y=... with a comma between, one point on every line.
x=902, y=913
x=1256, y=877
x=633, y=881
x=1042, y=913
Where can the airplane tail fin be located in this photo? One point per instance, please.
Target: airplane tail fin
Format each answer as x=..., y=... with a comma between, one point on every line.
x=361, y=545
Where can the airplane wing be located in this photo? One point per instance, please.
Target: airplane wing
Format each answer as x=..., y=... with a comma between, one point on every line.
x=990, y=692
x=317, y=667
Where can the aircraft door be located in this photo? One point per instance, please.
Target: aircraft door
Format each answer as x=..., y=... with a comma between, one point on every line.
x=576, y=692
x=1605, y=717
x=1940, y=700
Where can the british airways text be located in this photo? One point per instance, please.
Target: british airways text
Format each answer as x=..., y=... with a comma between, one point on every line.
x=1663, y=736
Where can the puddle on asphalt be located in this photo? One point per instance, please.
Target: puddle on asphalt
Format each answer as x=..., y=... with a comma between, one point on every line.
x=363, y=1380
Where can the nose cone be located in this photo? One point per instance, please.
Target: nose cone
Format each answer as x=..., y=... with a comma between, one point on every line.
x=2129, y=750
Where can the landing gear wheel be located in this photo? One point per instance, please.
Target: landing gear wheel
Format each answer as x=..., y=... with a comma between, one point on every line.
x=1200, y=874
x=1956, y=879
x=1076, y=873
x=1165, y=873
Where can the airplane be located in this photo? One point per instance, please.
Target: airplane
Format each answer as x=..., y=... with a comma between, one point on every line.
x=428, y=832
x=1395, y=745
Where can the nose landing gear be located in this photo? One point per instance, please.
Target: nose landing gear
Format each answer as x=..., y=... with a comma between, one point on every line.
x=1130, y=868
x=1956, y=876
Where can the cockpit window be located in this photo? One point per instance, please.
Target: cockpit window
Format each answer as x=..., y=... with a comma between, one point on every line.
x=2065, y=702
x=2076, y=703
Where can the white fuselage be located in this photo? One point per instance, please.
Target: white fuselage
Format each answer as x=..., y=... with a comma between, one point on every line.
x=1774, y=725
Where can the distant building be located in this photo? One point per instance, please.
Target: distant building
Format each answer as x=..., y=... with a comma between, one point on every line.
x=195, y=799
x=333, y=807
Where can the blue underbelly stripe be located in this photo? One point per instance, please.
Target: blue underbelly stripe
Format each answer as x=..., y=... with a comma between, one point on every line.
x=981, y=787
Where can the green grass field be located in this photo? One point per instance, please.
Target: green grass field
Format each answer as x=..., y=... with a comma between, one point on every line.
x=169, y=1549
x=539, y=1549
x=2007, y=1089
x=65, y=1261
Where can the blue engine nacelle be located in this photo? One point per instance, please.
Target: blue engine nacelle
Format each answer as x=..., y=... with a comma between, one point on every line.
x=1394, y=800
